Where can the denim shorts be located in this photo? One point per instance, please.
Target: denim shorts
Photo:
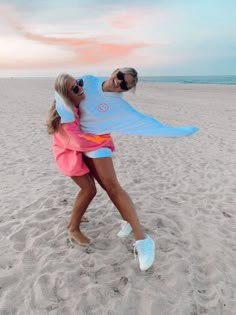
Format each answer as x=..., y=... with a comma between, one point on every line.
x=99, y=153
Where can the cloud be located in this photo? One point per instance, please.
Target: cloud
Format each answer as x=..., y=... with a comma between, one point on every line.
x=97, y=52
x=86, y=50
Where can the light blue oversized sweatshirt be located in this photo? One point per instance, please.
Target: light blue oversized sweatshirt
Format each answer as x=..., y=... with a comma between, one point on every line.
x=107, y=112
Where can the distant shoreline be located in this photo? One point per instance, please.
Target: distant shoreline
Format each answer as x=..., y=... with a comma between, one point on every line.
x=212, y=79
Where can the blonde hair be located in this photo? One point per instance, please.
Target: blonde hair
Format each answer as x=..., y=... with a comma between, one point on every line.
x=54, y=120
x=133, y=73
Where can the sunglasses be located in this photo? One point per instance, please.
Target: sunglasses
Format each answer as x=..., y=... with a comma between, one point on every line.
x=121, y=77
x=76, y=88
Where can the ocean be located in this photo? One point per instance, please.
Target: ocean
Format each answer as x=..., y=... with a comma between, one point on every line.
x=211, y=79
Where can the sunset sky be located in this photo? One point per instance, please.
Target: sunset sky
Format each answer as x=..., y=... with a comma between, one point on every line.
x=159, y=37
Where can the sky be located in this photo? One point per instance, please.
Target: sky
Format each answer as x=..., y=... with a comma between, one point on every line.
x=159, y=37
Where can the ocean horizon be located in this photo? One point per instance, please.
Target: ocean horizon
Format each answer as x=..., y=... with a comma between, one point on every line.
x=195, y=79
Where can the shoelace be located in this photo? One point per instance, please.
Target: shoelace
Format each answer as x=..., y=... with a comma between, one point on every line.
x=135, y=253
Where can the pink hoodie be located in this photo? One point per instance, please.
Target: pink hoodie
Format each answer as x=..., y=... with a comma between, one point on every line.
x=68, y=144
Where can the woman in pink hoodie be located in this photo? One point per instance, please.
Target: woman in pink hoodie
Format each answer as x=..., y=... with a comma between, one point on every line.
x=68, y=143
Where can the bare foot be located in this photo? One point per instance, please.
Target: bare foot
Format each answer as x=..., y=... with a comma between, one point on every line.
x=79, y=237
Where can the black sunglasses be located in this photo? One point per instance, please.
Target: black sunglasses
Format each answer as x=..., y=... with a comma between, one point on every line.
x=123, y=85
x=79, y=83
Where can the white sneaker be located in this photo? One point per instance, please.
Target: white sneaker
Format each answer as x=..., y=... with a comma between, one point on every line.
x=146, y=252
x=125, y=230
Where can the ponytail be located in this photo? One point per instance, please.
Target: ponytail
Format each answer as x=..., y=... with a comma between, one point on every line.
x=54, y=120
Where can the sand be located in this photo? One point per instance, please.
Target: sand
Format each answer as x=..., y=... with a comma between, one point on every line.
x=184, y=190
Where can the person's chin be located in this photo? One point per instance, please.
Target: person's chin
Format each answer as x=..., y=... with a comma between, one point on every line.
x=115, y=89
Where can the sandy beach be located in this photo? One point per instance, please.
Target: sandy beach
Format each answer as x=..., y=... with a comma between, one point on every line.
x=184, y=190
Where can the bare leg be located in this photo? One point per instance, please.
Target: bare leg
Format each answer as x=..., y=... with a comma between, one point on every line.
x=84, y=219
x=82, y=201
x=104, y=172
x=93, y=172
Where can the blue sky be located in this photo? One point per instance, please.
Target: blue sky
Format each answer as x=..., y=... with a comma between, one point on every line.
x=172, y=37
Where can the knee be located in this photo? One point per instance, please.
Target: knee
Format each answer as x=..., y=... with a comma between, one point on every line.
x=93, y=191
x=112, y=188
x=90, y=191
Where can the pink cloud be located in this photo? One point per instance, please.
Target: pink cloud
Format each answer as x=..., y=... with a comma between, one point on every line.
x=87, y=50
x=97, y=52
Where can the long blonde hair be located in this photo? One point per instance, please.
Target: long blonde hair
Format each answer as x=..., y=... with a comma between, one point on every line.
x=54, y=120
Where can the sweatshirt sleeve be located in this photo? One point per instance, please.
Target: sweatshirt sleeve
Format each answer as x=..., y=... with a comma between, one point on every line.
x=84, y=142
